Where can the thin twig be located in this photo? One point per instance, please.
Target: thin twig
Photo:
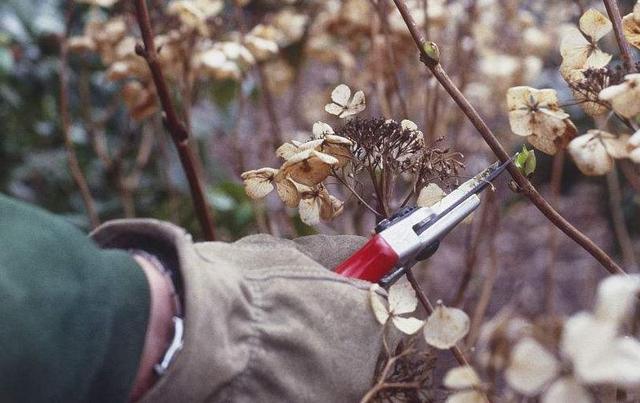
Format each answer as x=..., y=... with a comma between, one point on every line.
x=65, y=121
x=430, y=57
x=352, y=190
x=176, y=128
x=616, y=19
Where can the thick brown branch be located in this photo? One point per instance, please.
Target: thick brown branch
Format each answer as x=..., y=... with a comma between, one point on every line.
x=429, y=57
x=176, y=128
x=616, y=19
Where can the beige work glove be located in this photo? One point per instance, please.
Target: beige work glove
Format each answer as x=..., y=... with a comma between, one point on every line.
x=266, y=320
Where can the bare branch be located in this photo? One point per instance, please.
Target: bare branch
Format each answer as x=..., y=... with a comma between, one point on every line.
x=176, y=128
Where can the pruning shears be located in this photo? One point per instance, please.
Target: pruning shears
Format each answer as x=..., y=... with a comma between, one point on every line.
x=413, y=234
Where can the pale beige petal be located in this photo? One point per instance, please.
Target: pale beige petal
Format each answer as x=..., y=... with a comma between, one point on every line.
x=595, y=24
x=287, y=192
x=407, y=124
x=461, y=378
x=402, y=298
x=520, y=122
x=617, y=296
x=430, y=195
x=566, y=390
x=597, y=59
x=407, y=325
x=378, y=304
x=334, y=109
x=547, y=98
x=574, y=48
x=531, y=367
x=635, y=155
x=518, y=97
x=286, y=151
x=470, y=396
x=590, y=155
x=321, y=130
x=543, y=143
x=341, y=94
x=445, y=327
x=357, y=105
x=634, y=140
x=259, y=183
x=617, y=147
x=310, y=145
x=309, y=209
x=308, y=167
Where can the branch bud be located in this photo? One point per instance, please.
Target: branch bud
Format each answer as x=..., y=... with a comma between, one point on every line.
x=430, y=53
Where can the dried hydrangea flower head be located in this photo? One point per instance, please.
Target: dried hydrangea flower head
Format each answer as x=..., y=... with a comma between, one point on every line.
x=624, y=97
x=631, y=26
x=401, y=300
x=579, y=46
x=594, y=152
x=445, y=327
x=466, y=384
x=535, y=114
x=343, y=105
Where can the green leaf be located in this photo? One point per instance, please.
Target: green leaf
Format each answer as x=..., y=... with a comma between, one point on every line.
x=526, y=161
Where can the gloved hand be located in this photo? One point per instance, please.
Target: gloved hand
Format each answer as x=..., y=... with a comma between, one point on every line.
x=265, y=319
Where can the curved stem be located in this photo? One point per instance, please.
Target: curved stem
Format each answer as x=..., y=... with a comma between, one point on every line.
x=352, y=190
x=176, y=128
x=431, y=61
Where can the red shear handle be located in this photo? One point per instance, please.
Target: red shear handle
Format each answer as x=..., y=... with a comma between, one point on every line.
x=371, y=262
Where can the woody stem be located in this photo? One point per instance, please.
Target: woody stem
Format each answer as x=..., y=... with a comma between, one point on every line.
x=173, y=124
x=433, y=64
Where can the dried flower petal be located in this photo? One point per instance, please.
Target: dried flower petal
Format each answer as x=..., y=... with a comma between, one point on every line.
x=531, y=367
x=402, y=298
x=259, y=183
x=430, y=195
x=595, y=151
x=566, y=390
x=461, y=378
x=309, y=167
x=378, y=304
x=445, y=327
x=625, y=97
x=580, y=52
x=617, y=296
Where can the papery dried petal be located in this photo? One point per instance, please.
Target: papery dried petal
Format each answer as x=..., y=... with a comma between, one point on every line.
x=445, y=327
x=531, y=367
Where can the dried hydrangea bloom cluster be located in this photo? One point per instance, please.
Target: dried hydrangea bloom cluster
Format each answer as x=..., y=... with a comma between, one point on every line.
x=382, y=148
x=299, y=181
x=597, y=88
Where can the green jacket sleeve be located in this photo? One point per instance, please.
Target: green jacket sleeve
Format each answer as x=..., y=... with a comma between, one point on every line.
x=73, y=317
